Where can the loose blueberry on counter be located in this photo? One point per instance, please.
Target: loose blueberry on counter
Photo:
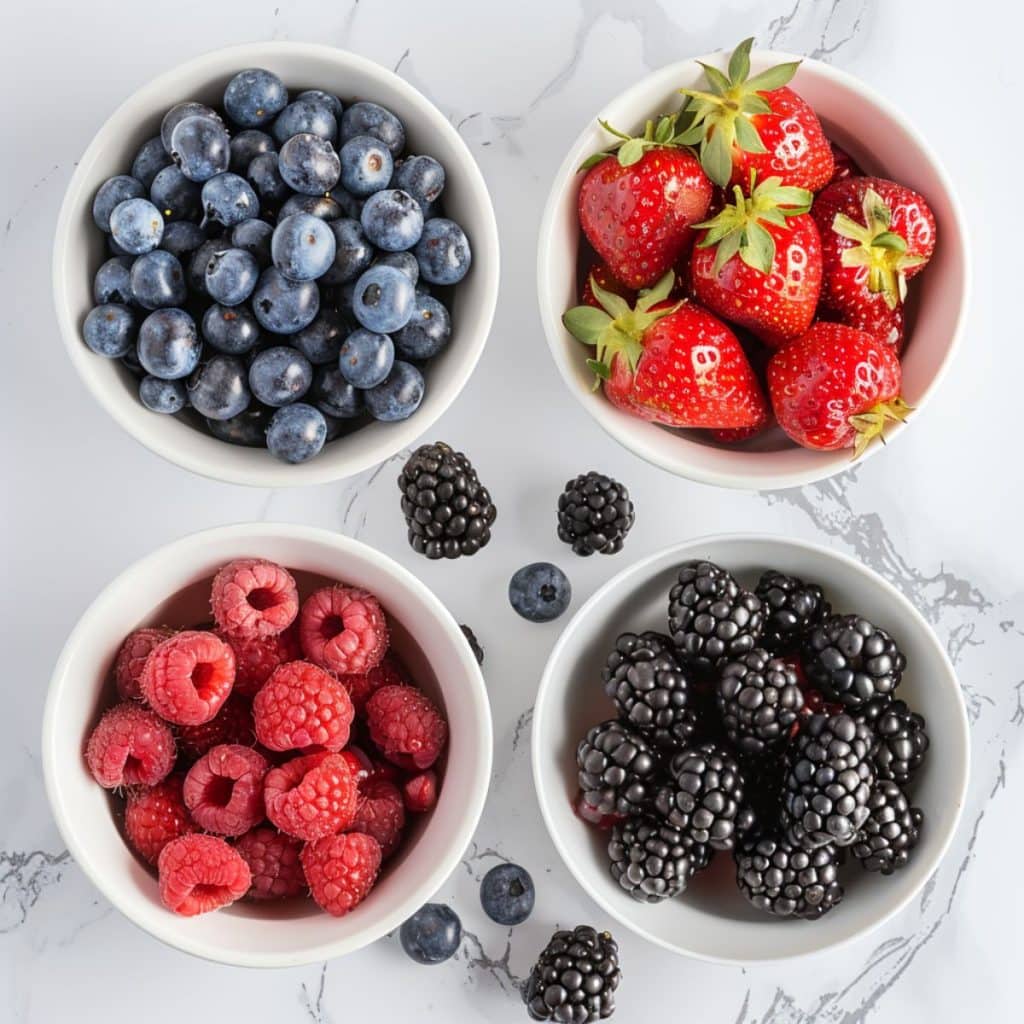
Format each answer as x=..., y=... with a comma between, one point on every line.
x=297, y=432
x=178, y=113
x=231, y=276
x=309, y=116
x=265, y=177
x=443, y=252
x=309, y=164
x=352, y=252
x=302, y=247
x=182, y=238
x=507, y=894
x=540, y=592
x=428, y=331
x=392, y=220
x=136, y=226
x=196, y=275
x=321, y=98
x=229, y=199
x=422, y=177
x=230, y=329
x=254, y=97
x=246, y=146
x=383, y=300
x=112, y=192
x=366, y=165
x=399, y=396
x=157, y=280
x=280, y=375
x=112, y=282
x=403, y=261
x=169, y=346
x=366, y=358
x=372, y=119
x=219, y=389
x=150, y=159
x=322, y=207
x=432, y=935
x=175, y=196
x=320, y=342
x=248, y=429
x=334, y=396
x=201, y=148
x=163, y=396
x=282, y=306
x=110, y=330
x=254, y=236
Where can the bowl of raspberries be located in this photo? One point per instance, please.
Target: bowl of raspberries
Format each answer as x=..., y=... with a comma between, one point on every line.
x=748, y=749
x=276, y=264
x=752, y=269
x=267, y=745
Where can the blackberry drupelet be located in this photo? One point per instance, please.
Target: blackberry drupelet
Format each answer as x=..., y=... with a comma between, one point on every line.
x=575, y=977
x=448, y=511
x=828, y=782
x=711, y=618
x=900, y=732
x=851, y=660
x=791, y=608
x=891, y=831
x=594, y=514
x=787, y=880
x=653, y=861
x=650, y=689
x=618, y=770
x=759, y=699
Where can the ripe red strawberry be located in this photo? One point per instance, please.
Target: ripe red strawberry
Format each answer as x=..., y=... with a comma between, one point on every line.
x=671, y=363
x=600, y=273
x=637, y=206
x=758, y=263
x=846, y=166
x=836, y=387
x=743, y=124
x=875, y=236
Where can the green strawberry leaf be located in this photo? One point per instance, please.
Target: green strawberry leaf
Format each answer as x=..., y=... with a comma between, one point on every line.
x=656, y=293
x=773, y=78
x=665, y=129
x=694, y=134
x=592, y=161
x=759, y=248
x=614, y=305
x=754, y=104
x=600, y=370
x=716, y=156
x=748, y=137
x=612, y=131
x=585, y=323
x=718, y=82
x=739, y=62
x=890, y=240
x=631, y=152
x=727, y=248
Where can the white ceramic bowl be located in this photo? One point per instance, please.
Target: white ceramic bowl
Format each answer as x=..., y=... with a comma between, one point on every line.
x=172, y=585
x=712, y=920
x=878, y=136
x=79, y=249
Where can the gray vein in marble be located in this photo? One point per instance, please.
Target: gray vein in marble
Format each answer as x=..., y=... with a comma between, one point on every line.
x=523, y=723
x=476, y=854
x=358, y=487
x=839, y=27
x=401, y=60
x=498, y=969
x=19, y=209
x=315, y=1003
x=1018, y=711
x=23, y=877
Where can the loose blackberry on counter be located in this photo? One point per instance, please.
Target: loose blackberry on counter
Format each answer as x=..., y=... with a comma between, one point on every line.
x=791, y=608
x=653, y=861
x=759, y=699
x=902, y=740
x=594, y=514
x=474, y=644
x=787, y=880
x=618, y=770
x=891, y=830
x=575, y=977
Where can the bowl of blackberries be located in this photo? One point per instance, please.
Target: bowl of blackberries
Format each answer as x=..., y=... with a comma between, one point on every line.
x=276, y=264
x=748, y=749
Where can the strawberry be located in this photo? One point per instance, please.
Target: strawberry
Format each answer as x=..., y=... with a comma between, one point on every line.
x=600, y=273
x=637, y=206
x=743, y=124
x=758, y=262
x=836, y=387
x=875, y=236
x=846, y=166
x=673, y=363
x=737, y=435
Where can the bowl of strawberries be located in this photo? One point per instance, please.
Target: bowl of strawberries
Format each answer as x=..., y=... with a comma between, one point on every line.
x=752, y=269
x=267, y=745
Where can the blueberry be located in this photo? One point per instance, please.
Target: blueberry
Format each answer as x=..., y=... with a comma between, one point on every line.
x=366, y=165
x=116, y=250
x=280, y=375
x=182, y=237
x=282, y=306
x=350, y=205
x=296, y=432
x=352, y=252
x=229, y=199
x=158, y=280
x=248, y=429
x=428, y=331
x=309, y=164
x=366, y=358
x=230, y=329
x=392, y=220
x=178, y=113
x=432, y=935
x=231, y=275
x=175, y=196
x=540, y=592
x=336, y=426
x=136, y=226
x=112, y=282
x=130, y=361
x=109, y=330
x=200, y=147
x=254, y=97
x=344, y=300
x=399, y=396
x=403, y=261
x=443, y=252
x=323, y=207
x=218, y=389
x=164, y=396
x=112, y=192
x=383, y=300
x=327, y=99
x=422, y=177
x=246, y=146
x=169, y=346
x=150, y=159
x=373, y=119
x=309, y=116
x=507, y=894
x=254, y=236
x=265, y=177
x=334, y=396
x=302, y=247
x=320, y=342
x=196, y=275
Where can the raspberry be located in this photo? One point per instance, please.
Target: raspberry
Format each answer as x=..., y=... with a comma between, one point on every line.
x=253, y=598
x=343, y=629
x=341, y=870
x=359, y=764
x=154, y=815
x=188, y=677
x=199, y=873
x=301, y=706
x=362, y=686
x=232, y=724
x=312, y=796
x=131, y=660
x=273, y=859
x=406, y=726
x=224, y=789
x=256, y=659
x=381, y=814
x=130, y=746
x=420, y=792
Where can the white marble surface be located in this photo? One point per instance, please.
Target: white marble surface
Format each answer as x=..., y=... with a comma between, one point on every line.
x=938, y=515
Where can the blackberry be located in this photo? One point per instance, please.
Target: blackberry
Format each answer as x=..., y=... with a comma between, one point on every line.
x=902, y=741
x=575, y=977
x=447, y=510
x=759, y=699
x=649, y=688
x=851, y=661
x=764, y=799
x=653, y=861
x=791, y=608
x=474, y=644
x=594, y=514
x=787, y=880
x=891, y=830
x=828, y=782
x=704, y=796
x=617, y=770
x=711, y=618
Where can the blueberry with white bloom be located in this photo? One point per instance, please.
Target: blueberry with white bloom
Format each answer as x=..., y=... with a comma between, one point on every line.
x=231, y=276
x=320, y=342
x=366, y=358
x=136, y=226
x=352, y=252
x=422, y=177
x=309, y=164
x=428, y=331
x=443, y=252
x=219, y=388
x=366, y=165
x=264, y=175
x=113, y=191
x=229, y=199
x=230, y=329
x=150, y=159
x=372, y=119
x=383, y=299
x=175, y=196
x=109, y=330
x=201, y=147
x=322, y=207
x=321, y=98
x=254, y=236
x=309, y=116
x=399, y=396
x=157, y=280
x=248, y=429
x=169, y=346
x=178, y=113
x=163, y=396
x=392, y=220
x=297, y=432
x=403, y=261
x=335, y=396
x=255, y=97
x=280, y=375
x=302, y=247
x=282, y=306
x=112, y=282
x=182, y=238
x=246, y=146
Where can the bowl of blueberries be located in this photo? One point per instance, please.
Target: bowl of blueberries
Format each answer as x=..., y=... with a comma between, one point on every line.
x=276, y=264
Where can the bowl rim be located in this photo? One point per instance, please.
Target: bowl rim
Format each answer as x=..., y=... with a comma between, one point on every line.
x=55, y=762
x=690, y=548
x=827, y=464
x=273, y=473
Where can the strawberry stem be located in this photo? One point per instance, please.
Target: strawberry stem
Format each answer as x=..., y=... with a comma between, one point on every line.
x=872, y=423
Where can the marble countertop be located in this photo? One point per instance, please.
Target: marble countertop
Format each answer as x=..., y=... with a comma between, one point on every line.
x=937, y=515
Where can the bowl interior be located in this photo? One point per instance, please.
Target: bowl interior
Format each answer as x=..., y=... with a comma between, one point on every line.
x=80, y=248
x=711, y=919
x=883, y=143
